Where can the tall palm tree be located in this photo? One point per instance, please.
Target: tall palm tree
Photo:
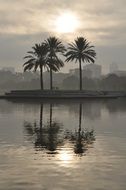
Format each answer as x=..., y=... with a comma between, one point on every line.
x=80, y=50
x=37, y=59
x=55, y=47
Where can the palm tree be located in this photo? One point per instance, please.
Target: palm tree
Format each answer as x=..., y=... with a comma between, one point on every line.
x=37, y=59
x=80, y=50
x=55, y=47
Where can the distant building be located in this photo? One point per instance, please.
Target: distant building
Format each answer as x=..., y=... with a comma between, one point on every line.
x=74, y=72
x=88, y=71
x=95, y=70
x=113, y=68
x=11, y=69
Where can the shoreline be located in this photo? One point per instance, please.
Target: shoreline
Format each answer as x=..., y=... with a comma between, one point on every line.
x=61, y=94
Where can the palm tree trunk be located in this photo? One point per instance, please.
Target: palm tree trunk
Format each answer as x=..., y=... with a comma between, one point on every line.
x=51, y=87
x=80, y=74
x=41, y=77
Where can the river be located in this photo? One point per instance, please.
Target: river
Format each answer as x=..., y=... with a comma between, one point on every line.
x=63, y=145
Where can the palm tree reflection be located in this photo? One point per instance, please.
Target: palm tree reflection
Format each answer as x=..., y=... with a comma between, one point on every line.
x=47, y=135
x=50, y=136
x=81, y=138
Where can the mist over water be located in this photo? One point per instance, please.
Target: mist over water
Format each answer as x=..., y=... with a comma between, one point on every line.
x=63, y=144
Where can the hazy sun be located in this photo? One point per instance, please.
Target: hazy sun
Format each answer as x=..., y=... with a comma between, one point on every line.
x=66, y=23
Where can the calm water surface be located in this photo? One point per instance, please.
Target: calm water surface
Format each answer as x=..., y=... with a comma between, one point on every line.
x=63, y=145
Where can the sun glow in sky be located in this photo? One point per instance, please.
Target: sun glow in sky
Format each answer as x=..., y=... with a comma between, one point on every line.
x=26, y=22
x=67, y=23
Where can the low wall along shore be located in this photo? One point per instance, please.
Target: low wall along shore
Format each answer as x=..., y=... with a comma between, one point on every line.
x=62, y=94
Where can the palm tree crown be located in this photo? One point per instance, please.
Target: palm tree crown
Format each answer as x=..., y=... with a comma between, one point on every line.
x=54, y=46
x=81, y=51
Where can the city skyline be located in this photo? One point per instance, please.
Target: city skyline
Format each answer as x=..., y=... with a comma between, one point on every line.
x=113, y=68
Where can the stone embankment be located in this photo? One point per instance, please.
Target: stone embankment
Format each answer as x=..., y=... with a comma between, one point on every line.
x=62, y=94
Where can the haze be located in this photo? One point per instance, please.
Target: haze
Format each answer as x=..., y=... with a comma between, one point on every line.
x=24, y=23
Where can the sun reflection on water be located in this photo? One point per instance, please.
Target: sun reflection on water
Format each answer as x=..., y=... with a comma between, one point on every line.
x=66, y=156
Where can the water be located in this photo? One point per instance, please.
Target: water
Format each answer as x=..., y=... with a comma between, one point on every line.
x=63, y=145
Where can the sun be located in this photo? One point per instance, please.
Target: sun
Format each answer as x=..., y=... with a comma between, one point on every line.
x=66, y=23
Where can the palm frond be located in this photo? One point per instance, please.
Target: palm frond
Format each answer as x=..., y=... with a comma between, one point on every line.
x=36, y=66
x=30, y=52
x=28, y=56
x=80, y=49
x=30, y=61
x=28, y=67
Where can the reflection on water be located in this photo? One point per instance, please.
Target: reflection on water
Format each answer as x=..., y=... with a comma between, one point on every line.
x=50, y=136
x=61, y=145
x=81, y=138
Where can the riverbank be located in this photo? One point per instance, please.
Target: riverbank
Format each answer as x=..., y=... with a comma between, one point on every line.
x=62, y=94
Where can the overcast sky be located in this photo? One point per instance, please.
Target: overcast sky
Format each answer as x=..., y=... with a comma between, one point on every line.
x=26, y=22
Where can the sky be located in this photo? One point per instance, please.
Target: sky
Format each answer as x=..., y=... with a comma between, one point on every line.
x=26, y=22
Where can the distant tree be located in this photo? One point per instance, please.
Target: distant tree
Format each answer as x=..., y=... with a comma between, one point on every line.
x=81, y=51
x=37, y=59
x=110, y=82
x=70, y=82
x=89, y=83
x=55, y=47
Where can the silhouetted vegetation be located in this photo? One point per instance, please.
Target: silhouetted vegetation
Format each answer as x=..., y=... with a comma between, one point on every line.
x=37, y=59
x=54, y=47
x=80, y=51
x=47, y=54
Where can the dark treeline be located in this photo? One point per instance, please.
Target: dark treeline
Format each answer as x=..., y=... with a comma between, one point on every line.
x=108, y=82
x=30, y=80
